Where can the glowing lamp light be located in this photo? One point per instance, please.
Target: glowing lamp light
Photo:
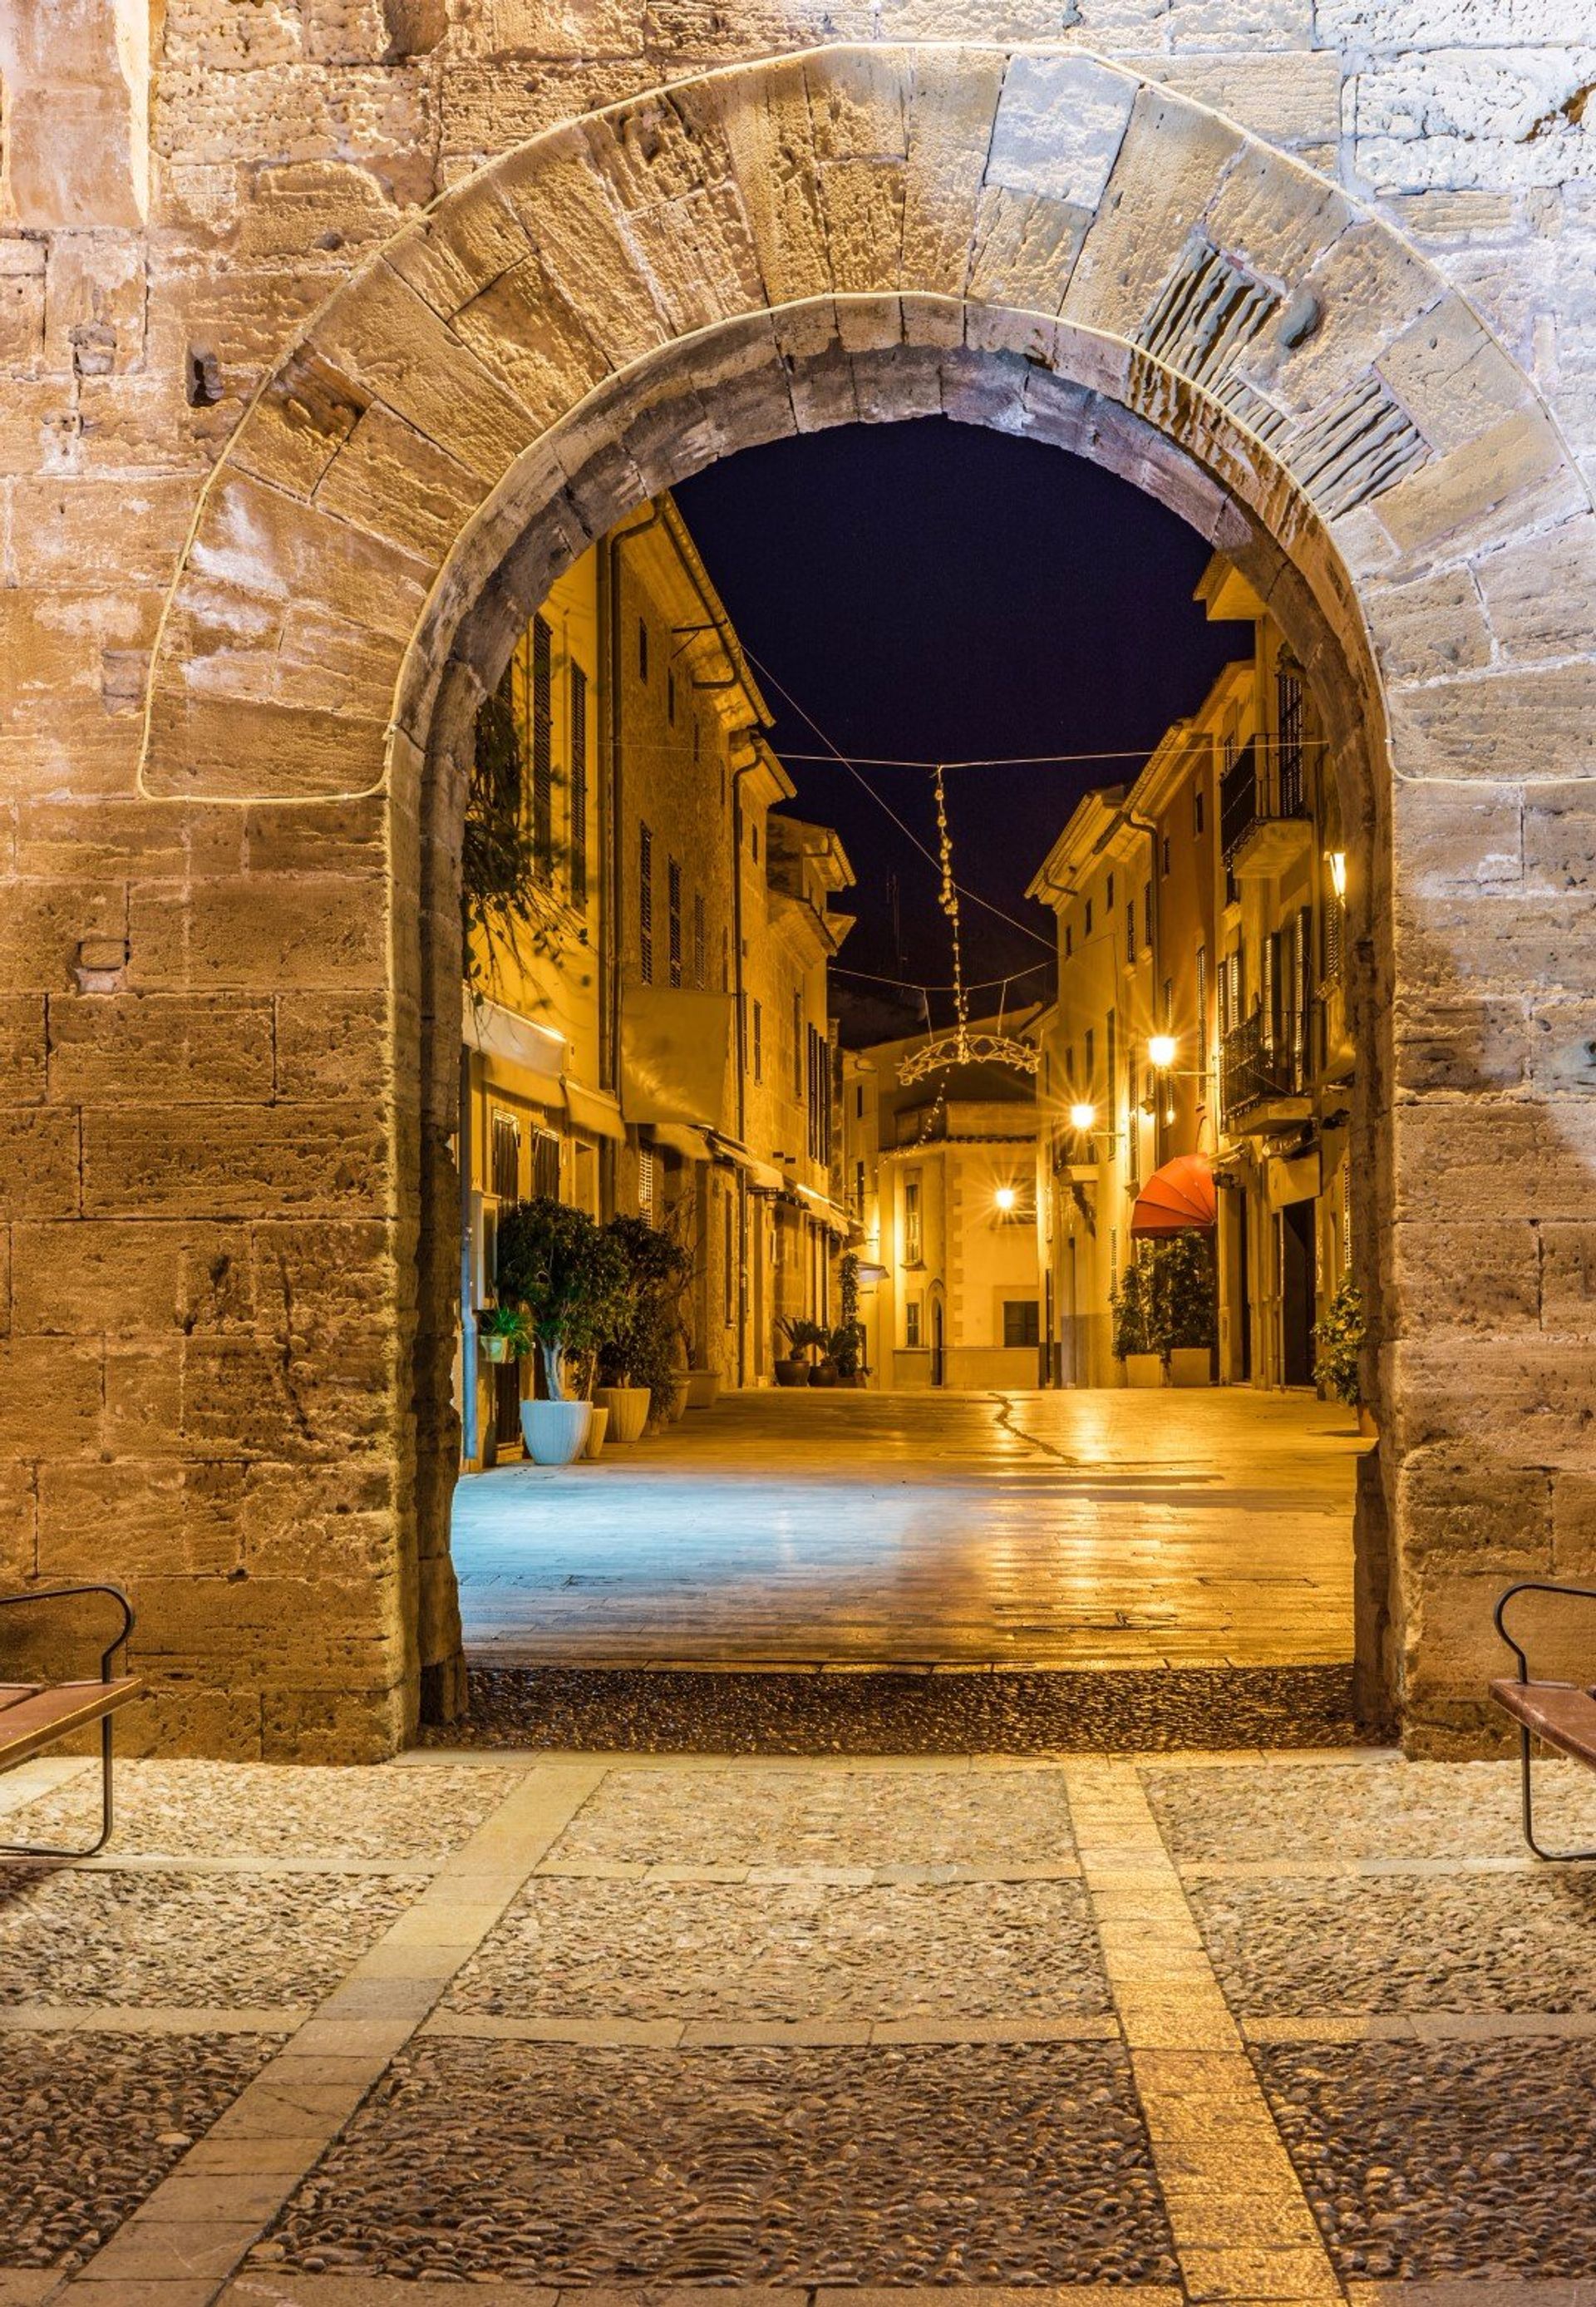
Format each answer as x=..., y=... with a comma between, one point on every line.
x=1336, y=859
x=1005, y=1197
x=1083, y=1116
x=1160, y=1052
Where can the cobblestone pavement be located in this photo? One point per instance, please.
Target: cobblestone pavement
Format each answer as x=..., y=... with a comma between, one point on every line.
x=1218, y=2031
x=1052, y=1530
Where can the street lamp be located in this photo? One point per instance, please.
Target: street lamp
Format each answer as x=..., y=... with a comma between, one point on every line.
x=1161, y=1052
x=1336, y=859
x=1083, y=1118
x=1005, y=1197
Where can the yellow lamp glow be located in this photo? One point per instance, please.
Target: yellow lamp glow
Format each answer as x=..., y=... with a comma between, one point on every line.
x=1336, y=859
x=1083, y=1116
x=1160, y=1052
x=1005, y=1197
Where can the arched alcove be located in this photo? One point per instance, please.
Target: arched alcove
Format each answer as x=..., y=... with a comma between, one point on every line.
x=1035, y=241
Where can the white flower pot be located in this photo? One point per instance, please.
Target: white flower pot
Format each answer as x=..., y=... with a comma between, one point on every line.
x=595, y=1442
x=703, y=1389
x=627, y=1406
x=1191, y=1366
x=1143, y=1369
x=556, y=1432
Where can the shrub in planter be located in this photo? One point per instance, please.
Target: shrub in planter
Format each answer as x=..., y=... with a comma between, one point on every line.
x=845, y=1350
x=642, y=1344
x=503, y=1331
x=565, y=1276
x=1339, y=1340
x=1134, y=1339
x=1185, y=1309
x=795, y=1368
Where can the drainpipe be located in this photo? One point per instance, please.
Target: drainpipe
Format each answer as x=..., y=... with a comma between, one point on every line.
x=742, y=1217
x=1145, y=825
x=611, y=568
x=468, y=1277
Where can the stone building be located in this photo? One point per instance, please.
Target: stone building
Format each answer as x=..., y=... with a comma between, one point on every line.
x=651, y=1037
x=1201, y=1010
x=333, y=335
x=940, y=1176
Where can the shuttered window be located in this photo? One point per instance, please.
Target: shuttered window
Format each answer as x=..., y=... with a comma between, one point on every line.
x=506, y=1157
x=542, y=745
x=674, y=918
x=578, y=786
x=645, y=905
x=700, y=942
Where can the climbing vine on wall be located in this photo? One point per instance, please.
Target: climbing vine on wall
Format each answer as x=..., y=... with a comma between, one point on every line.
x=504, y=899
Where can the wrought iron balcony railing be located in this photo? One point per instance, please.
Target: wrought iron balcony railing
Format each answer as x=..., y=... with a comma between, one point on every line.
x=1255, y=1068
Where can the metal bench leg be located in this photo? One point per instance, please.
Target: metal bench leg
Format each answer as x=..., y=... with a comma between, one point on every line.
x=106, y=1813
x=1552, y=1857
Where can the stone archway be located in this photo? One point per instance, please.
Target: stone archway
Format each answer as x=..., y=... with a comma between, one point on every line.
x=1037, y=241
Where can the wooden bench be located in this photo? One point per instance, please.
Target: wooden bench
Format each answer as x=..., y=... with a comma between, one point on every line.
x=1561, y=1714
x=36, y=1715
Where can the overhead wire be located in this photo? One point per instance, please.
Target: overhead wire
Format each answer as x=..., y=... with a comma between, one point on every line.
x=834, y=752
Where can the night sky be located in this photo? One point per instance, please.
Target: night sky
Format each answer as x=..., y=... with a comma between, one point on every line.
x=936, y=590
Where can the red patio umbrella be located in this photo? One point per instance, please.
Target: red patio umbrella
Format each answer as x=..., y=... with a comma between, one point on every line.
x=1177, y=1198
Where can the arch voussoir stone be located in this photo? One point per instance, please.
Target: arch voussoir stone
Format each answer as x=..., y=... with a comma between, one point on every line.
x=1041, y=240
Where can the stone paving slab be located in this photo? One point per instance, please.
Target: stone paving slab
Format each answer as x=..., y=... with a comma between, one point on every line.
x=1379, y=1810
x=1429, y=2161
x=86, y=1937
x=93, y=2122
x=750, y=1814
x=261, y=1810
x=1024, y=2165
x=764, y=1952
x=1498, y=1943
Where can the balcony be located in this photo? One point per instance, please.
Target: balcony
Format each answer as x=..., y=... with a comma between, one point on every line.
x=1263, y=824
x=1264, y=1081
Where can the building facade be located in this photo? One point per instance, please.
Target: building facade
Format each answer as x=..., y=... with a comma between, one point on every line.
x=1201, y=1011
x=647, y=1033
x=938, y=1175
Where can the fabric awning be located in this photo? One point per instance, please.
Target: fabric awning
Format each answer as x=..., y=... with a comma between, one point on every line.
x=761, y=1175
x=526, y=1056
x=676, y=1137
x=1177, y=1198
x=592, y=1111
x=676, y=1052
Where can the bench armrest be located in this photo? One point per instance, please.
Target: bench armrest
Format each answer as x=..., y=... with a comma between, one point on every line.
x=1535, y=1586
x=64, y=1594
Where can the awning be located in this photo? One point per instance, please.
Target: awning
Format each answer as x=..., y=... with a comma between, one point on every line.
x=676, y=1137
x=528, y=1055
x=675, y=1054
x=823, y=1206
x=592, y=1111
x=1291, y=1178
x=1177, y=1198
x=761, y=1175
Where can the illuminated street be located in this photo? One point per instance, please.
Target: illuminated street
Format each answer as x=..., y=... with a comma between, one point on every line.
x=1061, y=1530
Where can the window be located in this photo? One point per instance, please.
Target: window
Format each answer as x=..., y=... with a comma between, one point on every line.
x=648, y=1184
x=1288, y=701
x=1202, y=1003
x=911, y=1322
x=1148, y=917
x=542, y=745
x=1169, y=1003
x=758, y=1042
x=674, y=919
x=1108, y=894
x=798, y=1041
x=1196, y=810
x=728, y=1275
x=646, y=904
x=1164, y=853
x=642, y=650
x=1111, y=1044
x=670, y=696
x=505, y=1163
x=1089, y=1078
x=1021, y=1325
x=1130, y=930
x=1069, y=941
x=578, y=786
x=545, y=1164
x=859, y=1102
x=1088, y=929
x=700, y=942
x=1132, y=1124
x=859, y=1189
x=910, y=1221
x=753, y=836
x=819, y=1097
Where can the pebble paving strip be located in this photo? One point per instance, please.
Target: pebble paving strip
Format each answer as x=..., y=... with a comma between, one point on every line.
x=1384, y=1810
x=654, y=1710
x=1428, y=2162
x=1023, y=2165
x=793, y=1952
x=187, y=1939
x=775, y=1818
x=256, y=1810
x=1481, y=1944
x=93, y=2122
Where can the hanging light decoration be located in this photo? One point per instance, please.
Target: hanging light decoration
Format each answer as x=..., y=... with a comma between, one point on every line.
x=961, y=1047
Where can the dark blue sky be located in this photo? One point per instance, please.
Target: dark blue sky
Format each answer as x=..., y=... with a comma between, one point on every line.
x=938, y=591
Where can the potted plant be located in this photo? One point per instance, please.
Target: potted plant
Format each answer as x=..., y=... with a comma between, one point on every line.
x=845, y=1351
x=794, y=1367
x=1340, y=1339
x=849, y=1358
x=1135, y=1341
x=637, y=1354
x=1186, y=1317
x=502, y=1333
x=557, y=1266
x=703, y=1389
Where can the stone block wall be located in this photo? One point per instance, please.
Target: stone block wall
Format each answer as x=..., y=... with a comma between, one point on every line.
x=225, y=938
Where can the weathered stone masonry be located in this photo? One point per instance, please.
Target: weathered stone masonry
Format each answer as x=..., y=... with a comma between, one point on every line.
x=291, y=456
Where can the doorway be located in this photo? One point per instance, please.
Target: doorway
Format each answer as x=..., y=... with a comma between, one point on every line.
x=1294, y=1252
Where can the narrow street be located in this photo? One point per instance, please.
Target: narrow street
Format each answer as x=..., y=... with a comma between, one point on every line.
x=1061, y=1530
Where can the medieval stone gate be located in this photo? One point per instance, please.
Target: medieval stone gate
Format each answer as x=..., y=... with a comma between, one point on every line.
x=296, y=458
